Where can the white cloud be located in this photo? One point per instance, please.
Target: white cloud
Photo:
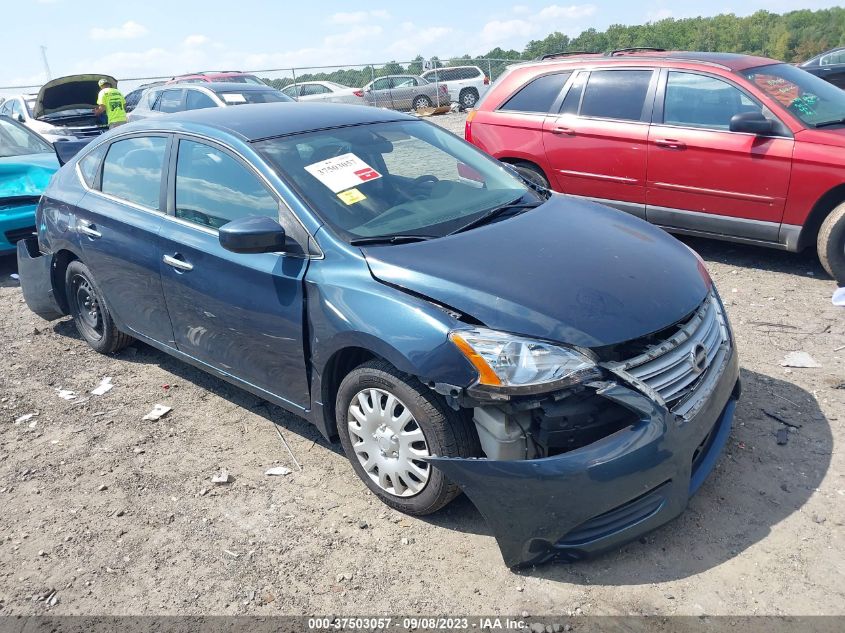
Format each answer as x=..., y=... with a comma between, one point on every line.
x=356, y=35
x=358, y=17
x=514, y=32
x=660, y=14
x=427, y=41
x=127, y=31
x=193, y=41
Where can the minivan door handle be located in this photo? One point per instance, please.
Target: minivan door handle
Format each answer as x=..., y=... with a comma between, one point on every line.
x=177, y=262
x=86, y=228
x=670, y=143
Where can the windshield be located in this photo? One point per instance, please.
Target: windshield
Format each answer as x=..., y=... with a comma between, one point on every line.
x=16, y=140
x=253, y=96
x=811, y=99
x=400, y=178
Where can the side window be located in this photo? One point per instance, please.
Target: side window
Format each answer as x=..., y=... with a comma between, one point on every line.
x=537, y=96
x=132, y=170
x=17, y=110
x=616, y=94
x=381, y=84
x=704, y=102
x=291, y=91
x=572, y=100
x=6, y=109
x=212, y=188
x=89, y=165
x=314, y=89
x=197, y=100
x=170, y=101
x=833, y=59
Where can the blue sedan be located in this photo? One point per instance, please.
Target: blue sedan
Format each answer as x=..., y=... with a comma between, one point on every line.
x=27, y=162
x=567, y=366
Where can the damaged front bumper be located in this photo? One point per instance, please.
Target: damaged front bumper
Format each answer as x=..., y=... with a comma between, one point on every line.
x=597, y=497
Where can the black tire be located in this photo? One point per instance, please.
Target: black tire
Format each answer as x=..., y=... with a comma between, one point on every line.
x=420, y=101
x=468, y=98
x=89, y=311
x=831, y=244
x=447, y=433
x=533, y=173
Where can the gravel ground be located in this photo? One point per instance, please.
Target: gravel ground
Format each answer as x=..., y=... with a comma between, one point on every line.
x=119, y=515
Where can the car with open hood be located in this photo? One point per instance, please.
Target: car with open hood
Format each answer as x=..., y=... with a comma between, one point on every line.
x=566, y=365
x=63, y=110
x=27, y=162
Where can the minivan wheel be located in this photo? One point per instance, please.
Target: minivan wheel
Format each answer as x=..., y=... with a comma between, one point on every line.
x=831, y=244
x=388, y=424
x=421, y=102
x=532, y=173
x=468, y=98
x=90, y=314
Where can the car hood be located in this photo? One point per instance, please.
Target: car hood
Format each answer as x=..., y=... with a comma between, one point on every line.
x=26, y=175
x=68, y=93
x=568, y=271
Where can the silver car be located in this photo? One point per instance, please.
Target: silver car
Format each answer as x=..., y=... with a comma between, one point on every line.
x=324, y=91
x=405, y=92
x=171, y=98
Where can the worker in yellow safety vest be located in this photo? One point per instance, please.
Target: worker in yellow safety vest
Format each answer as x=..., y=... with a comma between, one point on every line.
x=112, y=103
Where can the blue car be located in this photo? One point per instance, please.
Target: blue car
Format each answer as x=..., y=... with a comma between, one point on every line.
x=27, y=162
x=567, y=366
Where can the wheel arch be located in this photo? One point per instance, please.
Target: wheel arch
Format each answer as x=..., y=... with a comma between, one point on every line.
x=61, y=260
x=821, y=209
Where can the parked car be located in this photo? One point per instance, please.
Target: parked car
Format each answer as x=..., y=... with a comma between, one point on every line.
x=227, y=76
x=62, y=110
x=132, y=98
x=324, y=91
x=740, y=148
x=830, y=66
x=27, y=162
x=171, y=98
x=405, y=92
x=570, y=367
x=465, y=84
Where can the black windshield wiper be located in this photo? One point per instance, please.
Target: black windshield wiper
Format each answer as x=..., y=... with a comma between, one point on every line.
x=827, y=123
x=492, y=214
x=389, y=239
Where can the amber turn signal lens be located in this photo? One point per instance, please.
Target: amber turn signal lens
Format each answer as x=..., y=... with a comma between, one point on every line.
x=486, y=375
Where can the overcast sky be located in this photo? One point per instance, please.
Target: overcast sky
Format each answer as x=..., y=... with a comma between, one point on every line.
x=156, y=37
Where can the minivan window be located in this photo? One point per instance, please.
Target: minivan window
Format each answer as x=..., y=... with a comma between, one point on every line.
x=212, y=188
x=132, y=170
x=616, y=94
x=385, y=179
x=537, y=96
x=699, y=101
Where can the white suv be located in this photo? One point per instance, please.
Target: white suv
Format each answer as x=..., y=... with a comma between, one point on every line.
x=466, y=84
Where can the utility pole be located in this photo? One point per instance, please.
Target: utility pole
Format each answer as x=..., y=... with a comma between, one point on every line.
x=46, y=65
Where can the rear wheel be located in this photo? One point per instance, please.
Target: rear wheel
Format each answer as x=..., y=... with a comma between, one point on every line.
x=468, y=98
x=90, y=314
x=421, y=101
x=531, y=172
x=831, y=244
x=389, y=423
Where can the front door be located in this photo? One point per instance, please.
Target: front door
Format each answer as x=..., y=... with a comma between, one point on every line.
x=596, y=145
x=702, y=176
x=239, y=313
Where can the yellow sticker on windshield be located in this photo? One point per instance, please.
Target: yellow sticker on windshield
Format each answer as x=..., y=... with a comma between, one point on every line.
x=351, y=196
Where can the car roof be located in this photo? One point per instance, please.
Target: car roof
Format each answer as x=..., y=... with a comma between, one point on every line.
x=267, y=120
x=730, y=61
x=219, y=86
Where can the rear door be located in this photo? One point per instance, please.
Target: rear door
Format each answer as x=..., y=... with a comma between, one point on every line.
x=118, y=222
x=241, y=314
x=597, y=143
x=702, y=176
x=402, y=91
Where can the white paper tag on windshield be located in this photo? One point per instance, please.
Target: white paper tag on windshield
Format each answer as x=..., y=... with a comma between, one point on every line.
x=234, y=97
x=342, y=172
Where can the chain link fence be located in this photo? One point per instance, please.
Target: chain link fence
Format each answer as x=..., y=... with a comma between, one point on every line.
x=353, y=76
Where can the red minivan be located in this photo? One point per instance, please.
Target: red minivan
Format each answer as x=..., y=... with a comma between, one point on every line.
x=718, y=145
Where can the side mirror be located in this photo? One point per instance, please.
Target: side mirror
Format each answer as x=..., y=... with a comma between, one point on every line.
x=253, y=234
x=21, y=119
x=751, y=123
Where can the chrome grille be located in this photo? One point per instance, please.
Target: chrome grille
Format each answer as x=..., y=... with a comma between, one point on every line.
x=674, y=368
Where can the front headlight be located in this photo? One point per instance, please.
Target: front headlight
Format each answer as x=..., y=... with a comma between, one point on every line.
x=513, y=364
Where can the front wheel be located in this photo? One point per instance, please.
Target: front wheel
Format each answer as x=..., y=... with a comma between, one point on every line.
x=831, y=244
x=389, y=423
x=421, y=102
x=89, y=311
x=468, y=98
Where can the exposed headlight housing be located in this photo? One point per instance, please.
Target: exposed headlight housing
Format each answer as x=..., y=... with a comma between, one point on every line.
x=509, y=363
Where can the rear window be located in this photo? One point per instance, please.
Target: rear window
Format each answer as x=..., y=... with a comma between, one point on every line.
x=616, y=94
x=253, y=96
x=538, y=95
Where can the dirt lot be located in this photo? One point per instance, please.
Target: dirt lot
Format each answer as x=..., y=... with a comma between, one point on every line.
x=119, y=516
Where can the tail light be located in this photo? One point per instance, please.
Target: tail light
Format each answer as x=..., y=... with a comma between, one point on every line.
x=358, y=93
x=486, y=80
x=468, y=125
x=444, y=89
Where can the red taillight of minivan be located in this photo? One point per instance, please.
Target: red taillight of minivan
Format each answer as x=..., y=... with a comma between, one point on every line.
x=468, y=125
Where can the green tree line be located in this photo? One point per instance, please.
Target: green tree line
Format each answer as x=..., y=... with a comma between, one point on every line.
x=791, y=37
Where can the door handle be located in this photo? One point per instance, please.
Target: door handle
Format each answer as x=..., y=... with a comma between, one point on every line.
x=670, y=143
x=559, y=129
x=176, y=262
x=86, y=228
